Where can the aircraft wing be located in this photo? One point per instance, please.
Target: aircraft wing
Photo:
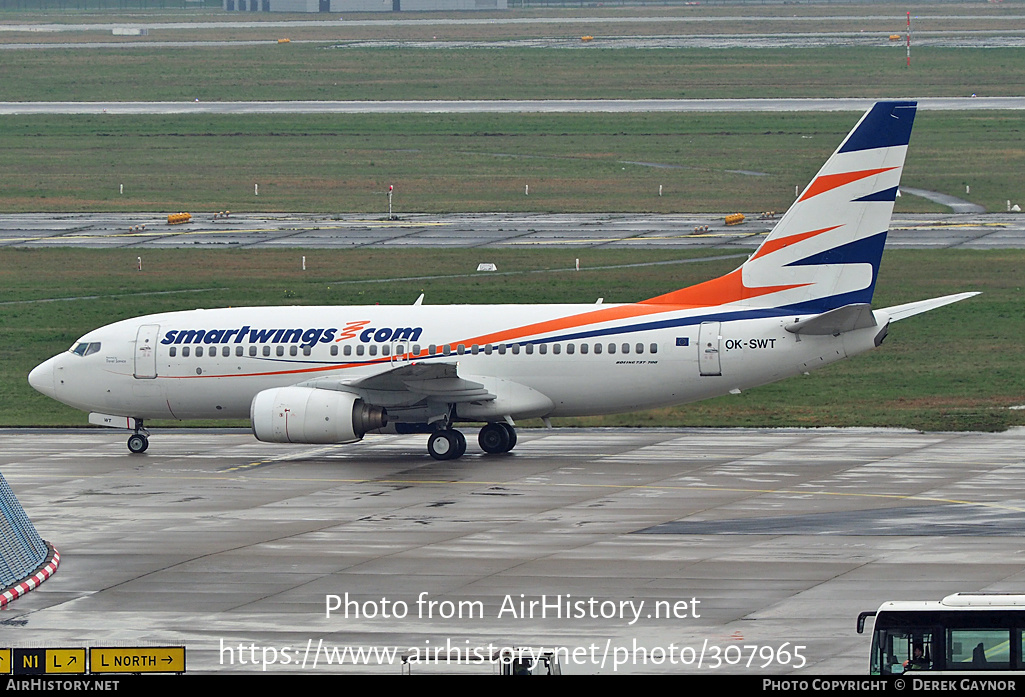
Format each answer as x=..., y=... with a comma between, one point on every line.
x=409, y=384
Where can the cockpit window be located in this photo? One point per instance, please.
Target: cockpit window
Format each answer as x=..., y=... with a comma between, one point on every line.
x=86, y=348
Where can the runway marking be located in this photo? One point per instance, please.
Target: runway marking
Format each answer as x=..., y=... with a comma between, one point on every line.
x=282, y=458
x=945, y=226
x=221, y=474
x=382, y=224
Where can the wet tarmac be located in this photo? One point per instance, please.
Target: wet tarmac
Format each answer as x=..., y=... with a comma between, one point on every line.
x=745, y=538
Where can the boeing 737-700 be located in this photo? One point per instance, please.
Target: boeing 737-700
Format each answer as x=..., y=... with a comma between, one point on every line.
x=334, y=374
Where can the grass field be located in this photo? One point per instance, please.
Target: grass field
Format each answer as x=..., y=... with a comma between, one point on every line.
x=957, y=368
x=319, y=72
x=477, y=162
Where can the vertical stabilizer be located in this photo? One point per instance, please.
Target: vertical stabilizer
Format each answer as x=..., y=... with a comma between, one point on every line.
x=825, y=252
x=830, y=242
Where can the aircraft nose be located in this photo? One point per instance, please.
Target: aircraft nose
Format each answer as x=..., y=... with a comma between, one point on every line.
x=41, y=378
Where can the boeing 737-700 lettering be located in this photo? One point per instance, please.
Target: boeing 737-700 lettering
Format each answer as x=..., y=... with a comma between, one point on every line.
x=801, y=301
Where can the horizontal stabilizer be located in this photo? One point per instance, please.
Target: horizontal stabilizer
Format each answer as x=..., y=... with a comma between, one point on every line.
x=899, y=312
x=835, y=322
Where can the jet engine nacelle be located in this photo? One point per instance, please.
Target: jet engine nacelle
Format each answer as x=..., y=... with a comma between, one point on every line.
x=307, y=415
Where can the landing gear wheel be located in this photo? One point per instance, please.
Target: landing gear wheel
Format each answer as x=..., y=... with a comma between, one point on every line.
x=138, y=443
x=494, y=438
x=512, y=435
x=446, y=445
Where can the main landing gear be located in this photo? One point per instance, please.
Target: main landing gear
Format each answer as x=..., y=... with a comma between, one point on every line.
x=450, y=444
x=138, y=441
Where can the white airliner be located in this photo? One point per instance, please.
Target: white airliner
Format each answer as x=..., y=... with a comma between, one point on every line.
x=333, y=374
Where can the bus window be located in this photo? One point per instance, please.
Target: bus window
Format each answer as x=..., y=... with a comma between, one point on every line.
x=978, y=649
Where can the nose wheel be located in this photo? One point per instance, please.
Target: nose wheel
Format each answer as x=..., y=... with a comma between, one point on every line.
x=137, y=443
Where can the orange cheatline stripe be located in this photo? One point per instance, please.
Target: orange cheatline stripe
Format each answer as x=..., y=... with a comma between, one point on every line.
x=719, y=291
x=770, y=245
x=828, y=182
x=606, y=314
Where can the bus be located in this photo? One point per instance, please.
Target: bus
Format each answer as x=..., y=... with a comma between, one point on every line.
x=963, y=633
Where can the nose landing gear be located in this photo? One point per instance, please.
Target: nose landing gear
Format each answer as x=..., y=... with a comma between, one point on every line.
x=138, y=441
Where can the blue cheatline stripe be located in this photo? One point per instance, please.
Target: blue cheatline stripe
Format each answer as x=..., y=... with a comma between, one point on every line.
x=868, y=250
x=887, y=125
x=884, y=195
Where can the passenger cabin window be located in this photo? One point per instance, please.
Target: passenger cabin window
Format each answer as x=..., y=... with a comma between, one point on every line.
x=199, y=352
x=172, y=352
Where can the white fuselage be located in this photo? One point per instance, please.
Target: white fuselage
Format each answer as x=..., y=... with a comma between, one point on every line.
x=583, y=359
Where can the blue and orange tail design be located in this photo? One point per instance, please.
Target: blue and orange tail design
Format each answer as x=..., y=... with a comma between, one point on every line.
x=825, y=252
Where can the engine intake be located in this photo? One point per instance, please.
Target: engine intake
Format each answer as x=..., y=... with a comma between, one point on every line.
x=308, y=415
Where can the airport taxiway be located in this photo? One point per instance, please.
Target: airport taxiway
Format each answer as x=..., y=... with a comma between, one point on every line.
x=485, y=230
x=750, y=538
